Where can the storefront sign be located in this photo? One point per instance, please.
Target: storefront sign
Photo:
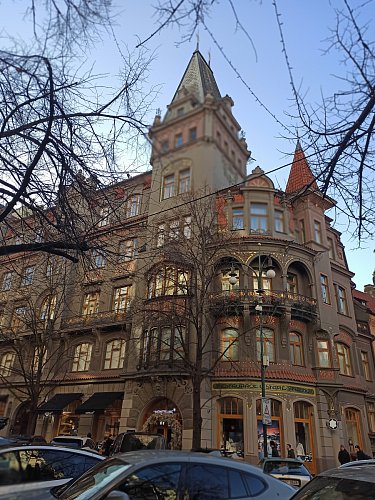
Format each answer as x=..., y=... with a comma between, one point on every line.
x=270, y=387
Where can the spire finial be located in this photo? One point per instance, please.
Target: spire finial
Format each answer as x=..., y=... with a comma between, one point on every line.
x=209, y=57
x=197, y=41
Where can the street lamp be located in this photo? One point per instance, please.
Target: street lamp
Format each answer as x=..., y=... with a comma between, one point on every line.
x=267, y=266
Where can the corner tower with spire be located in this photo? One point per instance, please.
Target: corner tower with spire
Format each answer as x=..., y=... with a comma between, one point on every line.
x=197, y=144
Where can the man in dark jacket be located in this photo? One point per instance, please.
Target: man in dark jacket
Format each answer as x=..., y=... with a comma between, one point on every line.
x=274, y=450
x=344, y=456
x=361, y=455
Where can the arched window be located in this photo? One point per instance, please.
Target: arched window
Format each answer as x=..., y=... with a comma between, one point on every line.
x=114, y=354
x=82, y=357
x=168, y=281
x=6, y=364
x=343, y=354
x=229, y=344
x=296, y=349
x=48, y=309
x=268, y=344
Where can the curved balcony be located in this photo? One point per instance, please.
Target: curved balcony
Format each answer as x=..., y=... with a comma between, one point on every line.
x=103, y=319
x=275, y=303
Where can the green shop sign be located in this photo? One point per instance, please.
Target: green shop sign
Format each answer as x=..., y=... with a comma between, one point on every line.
x=256, y=387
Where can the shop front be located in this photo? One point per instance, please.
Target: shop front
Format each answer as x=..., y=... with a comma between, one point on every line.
x=59, y=415
x=239, y=419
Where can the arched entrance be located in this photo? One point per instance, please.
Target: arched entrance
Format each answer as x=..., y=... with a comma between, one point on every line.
x=21, y=419
x=163, y=417
x=303, y=426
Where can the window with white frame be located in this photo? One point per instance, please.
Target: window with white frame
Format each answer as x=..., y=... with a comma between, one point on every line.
x=186, y=223
x=343, y=354
x=229, y=345
x=90, y=303
x=104, y=216
x=133, y=207
x=279, y=221
x=27, y=276
x=258, y=218
x=7, y=363
x=324, y=287
x=114, y=354
x=342, y=302
x=128, y=249
x=121, y=301
x=19, y=317
x=48, y=309
x=237, y=218
x=39, y=359
x=184, y=181
x=82, y=357
x=324, y=354
x=98, y=259
x=317, y=231
x=168, y=186
x=7, y=281
x=168, y=281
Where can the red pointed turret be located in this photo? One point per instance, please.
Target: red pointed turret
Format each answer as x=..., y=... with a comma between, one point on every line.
x=300, y=175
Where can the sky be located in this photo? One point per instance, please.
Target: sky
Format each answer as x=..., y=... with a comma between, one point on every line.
x=256, y=77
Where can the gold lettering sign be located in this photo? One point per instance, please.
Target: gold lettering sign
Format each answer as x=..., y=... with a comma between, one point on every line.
x=256, y=387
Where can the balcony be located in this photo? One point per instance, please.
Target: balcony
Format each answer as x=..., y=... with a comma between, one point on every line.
x=275, y=302
x=101, y=319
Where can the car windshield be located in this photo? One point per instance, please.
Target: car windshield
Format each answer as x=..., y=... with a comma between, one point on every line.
x=94, y=480
x=329, y=488
x=290, y=468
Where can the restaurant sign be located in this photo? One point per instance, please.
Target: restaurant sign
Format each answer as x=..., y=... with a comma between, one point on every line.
x=270, y=387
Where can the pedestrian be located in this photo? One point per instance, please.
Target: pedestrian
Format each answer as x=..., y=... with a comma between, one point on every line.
x=344, y=455
x=89, y=435
x=361, y=455
x=107, y=445
x=274, y=450
x=300, y=450
x=290, y=450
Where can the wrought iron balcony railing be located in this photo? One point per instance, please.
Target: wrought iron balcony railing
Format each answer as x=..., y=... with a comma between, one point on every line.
x=301, y=306
x=101, y=318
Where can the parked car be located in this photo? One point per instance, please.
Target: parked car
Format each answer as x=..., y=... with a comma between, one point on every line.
x=355, y=463
x=74, y=442
x=289, y=470
x=30, y=471
x=133, y=441
x=156, y=474
x=343, y=483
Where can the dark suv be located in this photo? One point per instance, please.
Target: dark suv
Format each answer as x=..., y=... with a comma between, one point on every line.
x=133, y=441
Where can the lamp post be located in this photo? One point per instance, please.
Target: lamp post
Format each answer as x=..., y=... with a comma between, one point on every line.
x=265, y=265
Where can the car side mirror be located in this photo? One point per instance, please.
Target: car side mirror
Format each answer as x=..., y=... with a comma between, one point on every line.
x=117, y=495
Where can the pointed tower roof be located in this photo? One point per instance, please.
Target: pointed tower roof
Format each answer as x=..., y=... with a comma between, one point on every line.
x=198, y=79
x=300, y=174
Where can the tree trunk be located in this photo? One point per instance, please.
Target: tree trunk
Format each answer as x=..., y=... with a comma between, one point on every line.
x=197, y=414
x=31, y=424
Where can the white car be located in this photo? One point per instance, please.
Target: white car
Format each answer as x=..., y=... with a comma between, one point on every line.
x=289, y=470
x=162, y=474
x=74, y=442
x=31, y=471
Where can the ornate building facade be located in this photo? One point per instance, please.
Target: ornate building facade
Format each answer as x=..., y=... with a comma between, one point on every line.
x=125, y=348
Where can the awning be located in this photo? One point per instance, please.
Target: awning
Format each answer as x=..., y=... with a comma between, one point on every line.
x=99, y=401
x=59, y=401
